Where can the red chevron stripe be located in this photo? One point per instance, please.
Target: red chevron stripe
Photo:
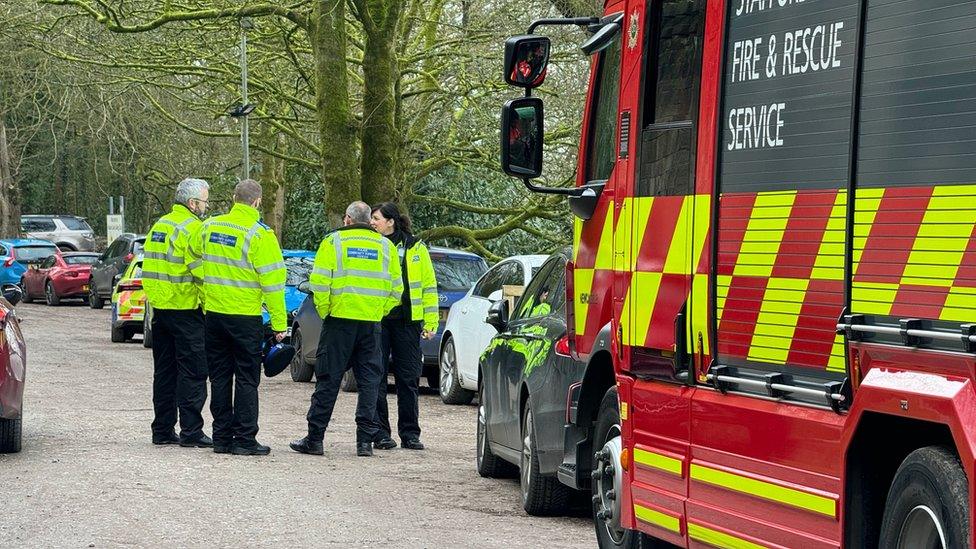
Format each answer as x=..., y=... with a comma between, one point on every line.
x=739, y=315
x=816, y=326
x=734, y=213
x=658, y=233
x=804, y=233
x=893, y=234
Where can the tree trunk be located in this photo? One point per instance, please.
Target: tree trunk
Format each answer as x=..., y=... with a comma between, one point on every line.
x=381, y=135
x=337, y=132
x=9, y=193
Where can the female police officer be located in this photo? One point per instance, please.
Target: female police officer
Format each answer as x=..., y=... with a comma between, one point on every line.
x=415, y=317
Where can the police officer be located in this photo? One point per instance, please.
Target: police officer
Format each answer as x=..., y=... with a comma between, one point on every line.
x=355, y=281
x=171, y=279
x=415, y=316
x=242, y=267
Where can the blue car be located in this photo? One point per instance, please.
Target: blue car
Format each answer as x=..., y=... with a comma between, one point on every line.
x=299, y=266
x=17, y=254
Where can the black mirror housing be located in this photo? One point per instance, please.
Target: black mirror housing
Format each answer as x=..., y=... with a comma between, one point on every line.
x=498, y=315
x=521, y=137
x=12, y=294
x=526, y=60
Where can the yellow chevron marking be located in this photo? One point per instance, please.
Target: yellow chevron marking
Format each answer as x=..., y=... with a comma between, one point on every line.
x=643, y=288
x=763, y=236
x=778, y=316
x=873, y=297
x=703, y=221
x=577, y=237
x=829, y=264
x=765, y=490
x=658, y=461
x=707, y=535
x=723, y=283
x=677, y=259
x=622, y=237
x=866, y=204
x=582, y=286
x=699, y=312
x=658, y=518
x=941, y=240
x=837, y=361
x=604, y=254
x=641, y=217
x=959, y=305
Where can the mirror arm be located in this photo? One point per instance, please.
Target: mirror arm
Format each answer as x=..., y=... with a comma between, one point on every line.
x=566, y=191
x=556, y=21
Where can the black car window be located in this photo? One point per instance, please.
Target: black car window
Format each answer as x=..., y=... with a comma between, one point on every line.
x=48, y=263
x=80, y=259
x=3, y=250
x=514, y=276
x=34, y=254
x=115, y=249
x=37, y=225
x=529, y=305
x=75, y=224
x=491, y=281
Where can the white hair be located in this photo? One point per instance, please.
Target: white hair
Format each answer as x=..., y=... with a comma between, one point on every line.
x=190, y=188
x=358, y=212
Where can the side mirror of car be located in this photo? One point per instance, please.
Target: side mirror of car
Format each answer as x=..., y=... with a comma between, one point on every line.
x=304, y=287
x=12, y=294
x=498, y=315
x=116, y=279
x=495, y=296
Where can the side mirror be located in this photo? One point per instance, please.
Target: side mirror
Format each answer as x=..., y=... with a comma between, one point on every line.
x=603, y=37
x=495, y=296
x=521, y=137
x=498, y=315
x=526, y=60
x=12, y=293
x=304, y=287
x=116, y=279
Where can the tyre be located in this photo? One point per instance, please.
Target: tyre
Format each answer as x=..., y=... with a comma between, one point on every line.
x=94, y=300
x=348, y=383
x=118, y=334
x=450, y=386
x=64, y=247
x=433, y=378
x=301, y=371
x=51, y=295
x=489, y=465
x=10, y=435
x=542, y=495
x=147, y=330
x=25, y=296
x=928, y=503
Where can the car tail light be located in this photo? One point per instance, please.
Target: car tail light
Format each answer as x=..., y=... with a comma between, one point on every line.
x=130, y=286
x=562, y=346
x=72, y=274
x=129, y=257
x=9, y=262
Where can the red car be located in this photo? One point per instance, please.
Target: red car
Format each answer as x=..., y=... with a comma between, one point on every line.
x=13, y=359
x=60, y=276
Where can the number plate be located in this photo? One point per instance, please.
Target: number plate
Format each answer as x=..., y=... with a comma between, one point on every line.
x=84, y=288
x=443, y=314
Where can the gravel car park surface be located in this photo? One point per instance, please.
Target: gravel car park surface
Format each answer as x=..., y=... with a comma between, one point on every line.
x=89, y=477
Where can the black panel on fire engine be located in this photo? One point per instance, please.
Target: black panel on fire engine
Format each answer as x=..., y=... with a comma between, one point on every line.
x=787, y=94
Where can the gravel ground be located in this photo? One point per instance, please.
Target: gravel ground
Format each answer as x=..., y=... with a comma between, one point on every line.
x=89, y=477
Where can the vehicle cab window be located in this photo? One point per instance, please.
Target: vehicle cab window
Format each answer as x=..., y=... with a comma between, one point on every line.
x=602, y=141
x=490, y=282
x=541, y=297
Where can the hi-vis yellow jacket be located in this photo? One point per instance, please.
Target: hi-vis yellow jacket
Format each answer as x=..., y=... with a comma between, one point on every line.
x=170, y=276
x=422, y=284
x=356, y=275
x=242, y=266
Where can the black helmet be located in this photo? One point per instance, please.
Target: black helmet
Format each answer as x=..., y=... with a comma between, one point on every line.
x=277, y=356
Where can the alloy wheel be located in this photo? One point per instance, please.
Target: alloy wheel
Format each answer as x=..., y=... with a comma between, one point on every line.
x=447, y=368
x=607, y=482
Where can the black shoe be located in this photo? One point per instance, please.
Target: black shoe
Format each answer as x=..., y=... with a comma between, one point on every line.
x=413, y=444
x=385, y=443
x=364, y=449
x=220, y=449
x=256, y=450
x=202, y=441
x=305, y=446
x=166, y=439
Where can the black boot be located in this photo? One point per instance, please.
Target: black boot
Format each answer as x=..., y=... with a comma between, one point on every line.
x=255, y=450
x=385, y=442
x=364, y=449
x=306, y=446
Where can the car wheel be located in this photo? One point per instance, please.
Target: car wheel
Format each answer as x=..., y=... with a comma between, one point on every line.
x=301, y=371
x=118, y=333
x=94, y=300
x=928, y=502
x=147, y=330
x=51, y=295
x=450, y=386
x=348, y=383
x=542, y=495
x=66, y=247
x=11, y=434
x=489, y=465
x=433, y=377
x=25, y=295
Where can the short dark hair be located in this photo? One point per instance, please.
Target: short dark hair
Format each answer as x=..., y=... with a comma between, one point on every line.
x=247, y=191
x=389, y=210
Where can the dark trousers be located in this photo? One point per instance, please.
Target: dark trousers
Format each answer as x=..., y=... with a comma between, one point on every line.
x=234, y=353
x=179, y=372
x=346, y=344
x=402, y=337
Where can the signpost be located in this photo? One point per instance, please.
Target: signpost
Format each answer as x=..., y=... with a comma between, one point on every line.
x=114, y=227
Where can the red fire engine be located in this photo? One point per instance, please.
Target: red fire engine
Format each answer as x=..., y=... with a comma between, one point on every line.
x=774, y=270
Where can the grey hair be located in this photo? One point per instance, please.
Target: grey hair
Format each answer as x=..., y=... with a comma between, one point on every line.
x=189, y=189
x=358, y=212
x=247, y=191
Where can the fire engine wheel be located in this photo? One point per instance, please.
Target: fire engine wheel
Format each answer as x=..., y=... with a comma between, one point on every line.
x=542, y=495
x=489, y=465
x=51, y=295
x=928, y=503
x=450, y=386
x=301, y=371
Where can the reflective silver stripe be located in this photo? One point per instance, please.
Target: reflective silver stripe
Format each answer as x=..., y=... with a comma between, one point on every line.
x=269, y=268
x=246, y=248
x=386, y=255
x=430, y=310
x=166, y=277
x=194, y=264
x=361, y=239
x=360, y=291
x=416, y=285
x=273, y=288
x=319, y=287
x=363, y=274
x=242, y=263
x=167, y=257
x=321, y=272
x=226, y=224
x=337, y=244
x=228, y=282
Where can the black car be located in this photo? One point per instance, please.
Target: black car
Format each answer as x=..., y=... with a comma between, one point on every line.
x=526, y=372
x=111, y=264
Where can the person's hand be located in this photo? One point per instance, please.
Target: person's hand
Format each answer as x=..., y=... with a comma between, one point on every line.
x=426, y=334
x=279, y=336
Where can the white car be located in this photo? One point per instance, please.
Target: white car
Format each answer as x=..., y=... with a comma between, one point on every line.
x=466, y=335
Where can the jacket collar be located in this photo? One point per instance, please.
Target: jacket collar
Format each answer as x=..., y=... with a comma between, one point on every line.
x=246, y=211
x=354, y=226
x=181, y=208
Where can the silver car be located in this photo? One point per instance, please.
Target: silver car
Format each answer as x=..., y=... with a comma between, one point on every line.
x=70, y=233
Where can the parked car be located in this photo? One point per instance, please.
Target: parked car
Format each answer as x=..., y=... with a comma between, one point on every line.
x=128, y=303
x=527, y=371
x=298, y=263
x=60, y=276
x=109, y=265
x=466, y=334
x=18, y=254
x=68, y=232
x=456, y=271
x=13, y=361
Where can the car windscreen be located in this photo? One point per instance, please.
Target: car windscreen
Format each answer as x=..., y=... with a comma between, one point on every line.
x=80, y=259
x=75, y=224
x=457, y=274
x=299, y=269
x=34, y=254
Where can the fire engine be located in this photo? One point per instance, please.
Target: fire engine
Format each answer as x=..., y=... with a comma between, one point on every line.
x=773, y=280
